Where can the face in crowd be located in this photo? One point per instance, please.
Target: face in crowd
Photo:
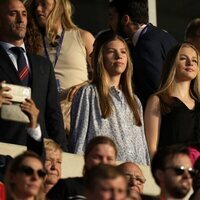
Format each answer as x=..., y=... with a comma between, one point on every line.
x=115, y=22
x=113, y=18
x=187, y=66
x=115, y=57
x=105, y=182
x=43, y=9
x=28, y=179
x=101, y=153
x=53, y=163
x=135, y=178
x=13, y=21
x=176, y=178
x=107, y=189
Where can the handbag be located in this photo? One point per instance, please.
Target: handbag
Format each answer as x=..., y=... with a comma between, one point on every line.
x=13, y=111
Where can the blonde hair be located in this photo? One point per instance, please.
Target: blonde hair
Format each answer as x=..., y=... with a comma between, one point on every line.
x=51, y=145
x=61, y=12
x=101, y=77
x=168, y=78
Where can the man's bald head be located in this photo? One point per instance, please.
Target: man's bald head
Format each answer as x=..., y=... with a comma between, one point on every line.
x=135, y=176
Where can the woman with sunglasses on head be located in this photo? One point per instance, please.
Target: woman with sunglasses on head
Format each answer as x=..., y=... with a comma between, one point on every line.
x=25, y=177
x=172, y=115
x=108, y=105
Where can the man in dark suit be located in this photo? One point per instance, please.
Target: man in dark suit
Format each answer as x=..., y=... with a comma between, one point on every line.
x=41, y=79
x=150, y=45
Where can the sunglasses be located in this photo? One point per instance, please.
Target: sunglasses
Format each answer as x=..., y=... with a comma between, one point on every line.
x=180, y=170
x=29, y=171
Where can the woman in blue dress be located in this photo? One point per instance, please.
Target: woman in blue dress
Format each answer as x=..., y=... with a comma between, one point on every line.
x=108, y=105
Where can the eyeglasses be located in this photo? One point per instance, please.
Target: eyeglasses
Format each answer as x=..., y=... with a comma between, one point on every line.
x=180, y=170
x=29, y=171
x=139, y=179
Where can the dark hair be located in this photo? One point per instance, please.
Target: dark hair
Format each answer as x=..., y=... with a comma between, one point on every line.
x=197, y=164
x=16, y=162
x=33, y=39
x=192, y=29
x=7, y=1
x=137, y=10
x=4, y=161
x=162, y=156
x=13, y=168
x=195, y=183
x=99, y=140
x=101, y=171
x=169, y=62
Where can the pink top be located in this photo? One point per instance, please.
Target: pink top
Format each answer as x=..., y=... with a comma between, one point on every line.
x=194, y=154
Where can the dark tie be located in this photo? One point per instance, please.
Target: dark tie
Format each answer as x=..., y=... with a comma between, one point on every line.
x=23, y=70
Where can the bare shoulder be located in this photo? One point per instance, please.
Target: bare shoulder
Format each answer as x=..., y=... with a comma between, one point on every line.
x=154, y=99
x=86, y=36
x=153, y=103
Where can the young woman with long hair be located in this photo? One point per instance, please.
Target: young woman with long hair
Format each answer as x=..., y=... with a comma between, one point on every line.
x=108, y=105
x=172, y=115
x=52, y=33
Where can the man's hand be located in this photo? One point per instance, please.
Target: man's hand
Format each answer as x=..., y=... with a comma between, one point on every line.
x=4, y=97
x=31, y=110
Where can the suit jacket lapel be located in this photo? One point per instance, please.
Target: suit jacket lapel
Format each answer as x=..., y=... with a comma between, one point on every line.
x=35, y=74
x=8, y=68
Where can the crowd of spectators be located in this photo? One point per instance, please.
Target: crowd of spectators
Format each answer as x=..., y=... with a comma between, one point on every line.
x=89, y=96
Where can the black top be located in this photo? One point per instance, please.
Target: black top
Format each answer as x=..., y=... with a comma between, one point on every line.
x=69, y=188
x=181, y=125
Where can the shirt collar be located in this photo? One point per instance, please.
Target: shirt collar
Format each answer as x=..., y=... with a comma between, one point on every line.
x=114, y=90
x=137, y=34
x=7, y=46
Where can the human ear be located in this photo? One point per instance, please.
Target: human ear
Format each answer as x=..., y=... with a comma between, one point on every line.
x=125, y=20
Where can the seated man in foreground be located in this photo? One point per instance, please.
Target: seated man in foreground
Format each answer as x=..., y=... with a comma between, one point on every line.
x=173, y=172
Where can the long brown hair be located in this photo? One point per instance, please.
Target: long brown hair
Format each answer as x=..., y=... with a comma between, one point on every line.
x=33, y=38
x=168, y=78
x=100, y=77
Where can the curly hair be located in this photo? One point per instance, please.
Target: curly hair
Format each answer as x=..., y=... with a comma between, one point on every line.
x=33, y=38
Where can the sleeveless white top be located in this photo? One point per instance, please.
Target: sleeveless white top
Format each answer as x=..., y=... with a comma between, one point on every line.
x=71, y=66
